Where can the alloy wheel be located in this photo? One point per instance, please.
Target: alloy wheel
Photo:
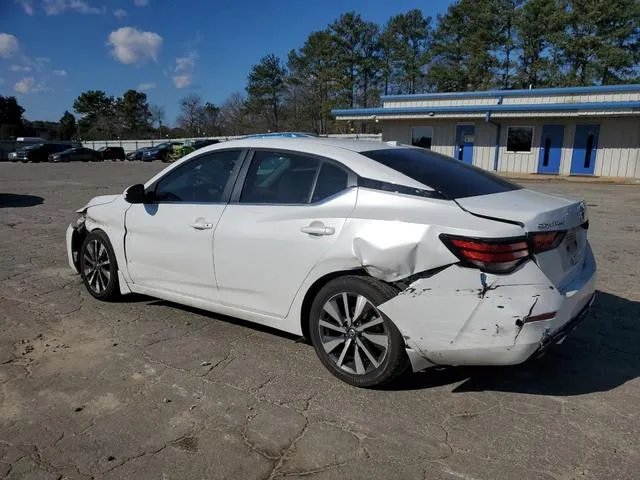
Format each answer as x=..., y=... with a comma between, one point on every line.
x=353, y=333
x=97, y=266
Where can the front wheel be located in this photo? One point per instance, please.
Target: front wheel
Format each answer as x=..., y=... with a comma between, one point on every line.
x=353, y=339
x=98, y=266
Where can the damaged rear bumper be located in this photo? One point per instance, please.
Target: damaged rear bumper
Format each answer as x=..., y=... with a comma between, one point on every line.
x=461, y=316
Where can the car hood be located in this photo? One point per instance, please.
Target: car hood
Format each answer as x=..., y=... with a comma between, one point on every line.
x=99, y=200
x=533, y=210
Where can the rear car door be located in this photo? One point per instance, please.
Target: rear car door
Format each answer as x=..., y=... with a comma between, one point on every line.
x=169, y=241
x=282, y=219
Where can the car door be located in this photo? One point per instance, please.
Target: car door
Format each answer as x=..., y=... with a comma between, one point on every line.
x=84, y=154
x=282, y=219
x=168, y=242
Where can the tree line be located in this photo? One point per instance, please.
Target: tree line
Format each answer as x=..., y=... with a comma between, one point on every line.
x=474, y=45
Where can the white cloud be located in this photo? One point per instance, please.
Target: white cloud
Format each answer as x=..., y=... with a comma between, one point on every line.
x=186, y=63
x=29, y=85
x=146, y=86
x=130, y=45
x=27, y=6
x=141, y=3
x=25, y=85
x=37, y=64
x=184, y=70
x=182, y=81
x=19, y=68
x=56, y=7
x=59, y=73
x=8, y=45
x=120, y=13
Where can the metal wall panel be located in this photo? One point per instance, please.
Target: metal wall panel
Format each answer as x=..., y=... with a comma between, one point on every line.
x=618, y=153
x=515, y=100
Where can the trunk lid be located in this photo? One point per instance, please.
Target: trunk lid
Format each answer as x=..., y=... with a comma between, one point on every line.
x=540, y=212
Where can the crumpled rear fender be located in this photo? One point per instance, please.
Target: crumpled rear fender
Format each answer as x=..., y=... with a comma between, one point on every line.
x=462, y=309
x=392, y=251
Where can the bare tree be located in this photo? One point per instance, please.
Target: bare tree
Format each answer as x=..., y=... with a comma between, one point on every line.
x=190, y=114
x=157, y=116
x=233, y=114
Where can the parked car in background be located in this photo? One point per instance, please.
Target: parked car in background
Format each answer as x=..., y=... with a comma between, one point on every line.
x=386, y=257
x=112, y=153
x=23, y=142
x=281, y=135
x=159, y=152
x=187, y=147
x=78, y=154
x=136, y=154
x=40, y=152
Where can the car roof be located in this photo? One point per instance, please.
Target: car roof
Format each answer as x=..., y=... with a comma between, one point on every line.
x=308, y=143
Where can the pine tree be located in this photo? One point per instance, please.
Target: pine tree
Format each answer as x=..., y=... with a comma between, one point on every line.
x=266, y=87
x=539, y=26
x=407, y=37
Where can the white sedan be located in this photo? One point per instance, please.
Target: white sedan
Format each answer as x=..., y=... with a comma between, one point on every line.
x=386, y=257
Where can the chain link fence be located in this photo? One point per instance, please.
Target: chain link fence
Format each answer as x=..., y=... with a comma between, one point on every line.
x=132, y=145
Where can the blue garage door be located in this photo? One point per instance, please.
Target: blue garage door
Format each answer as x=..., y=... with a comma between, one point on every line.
x=464, y=143
x=550, y=149
x=585, y=145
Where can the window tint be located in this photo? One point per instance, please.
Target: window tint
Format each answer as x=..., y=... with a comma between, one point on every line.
x=331, y=180
x=519, y=139
x=421, y=137
x=452, y=178
x=279, y=178
x=202, y=180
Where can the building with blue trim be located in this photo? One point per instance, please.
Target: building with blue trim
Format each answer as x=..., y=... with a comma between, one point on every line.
x=557, y=131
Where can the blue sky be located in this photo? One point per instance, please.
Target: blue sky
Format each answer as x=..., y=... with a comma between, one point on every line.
x=52, y=50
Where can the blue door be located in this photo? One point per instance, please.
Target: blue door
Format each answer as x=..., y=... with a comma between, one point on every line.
x=585, y=145
x=464, y=143
x=550, y=149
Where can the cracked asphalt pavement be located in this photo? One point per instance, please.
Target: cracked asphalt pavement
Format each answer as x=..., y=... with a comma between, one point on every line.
x=144, y=389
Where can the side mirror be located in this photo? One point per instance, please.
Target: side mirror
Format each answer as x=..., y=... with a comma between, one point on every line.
x=135, y=194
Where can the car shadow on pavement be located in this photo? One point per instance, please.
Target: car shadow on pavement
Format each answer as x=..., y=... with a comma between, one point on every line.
x=16, y=200
x=223, y=318
x=600, y=355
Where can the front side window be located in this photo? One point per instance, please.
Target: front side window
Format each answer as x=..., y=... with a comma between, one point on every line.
x=519, y=139
x=280, y=178
x=202, y=180
x=421, y=137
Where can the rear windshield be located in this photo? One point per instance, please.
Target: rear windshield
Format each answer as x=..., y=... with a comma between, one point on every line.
x=452, y=178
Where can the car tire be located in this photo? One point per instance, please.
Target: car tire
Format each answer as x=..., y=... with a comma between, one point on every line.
x=97, y=253
x=345, y=347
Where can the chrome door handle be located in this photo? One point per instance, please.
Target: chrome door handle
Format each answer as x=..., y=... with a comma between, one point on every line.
x=318, y=229
x=201, y=225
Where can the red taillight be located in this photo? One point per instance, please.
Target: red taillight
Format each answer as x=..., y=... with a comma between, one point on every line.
x=541, y=242
x=489, y=255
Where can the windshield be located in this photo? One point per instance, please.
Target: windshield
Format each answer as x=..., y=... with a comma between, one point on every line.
x=31, y=147
x=452, y=178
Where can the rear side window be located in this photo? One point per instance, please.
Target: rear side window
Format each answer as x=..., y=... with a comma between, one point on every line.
x=448, y=176
x=331, y=180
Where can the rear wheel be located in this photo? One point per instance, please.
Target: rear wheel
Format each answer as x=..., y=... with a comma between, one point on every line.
x=354, y=340
x=98, y=266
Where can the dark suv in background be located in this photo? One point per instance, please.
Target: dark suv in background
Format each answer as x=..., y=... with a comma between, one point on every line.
x=111, y=153
x=40, y=152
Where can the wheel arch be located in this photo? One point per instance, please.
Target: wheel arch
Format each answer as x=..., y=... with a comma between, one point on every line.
x=313, y=290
